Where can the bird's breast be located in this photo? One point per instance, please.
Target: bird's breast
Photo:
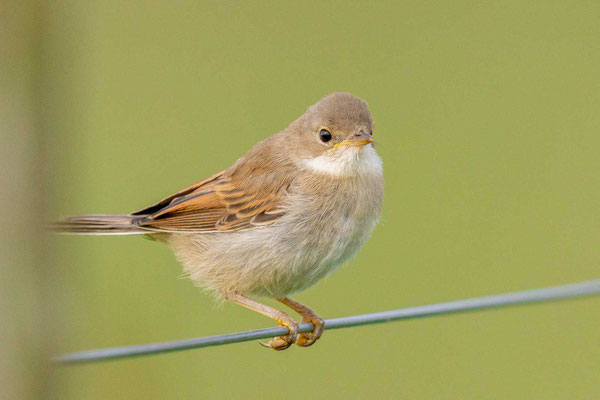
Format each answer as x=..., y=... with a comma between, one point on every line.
x=328, y=224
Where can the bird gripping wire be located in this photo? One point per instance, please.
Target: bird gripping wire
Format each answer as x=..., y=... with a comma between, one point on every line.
x=587, y=288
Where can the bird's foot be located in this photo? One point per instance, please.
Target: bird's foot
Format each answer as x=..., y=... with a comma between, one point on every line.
x=283, y=342
x=309, y=338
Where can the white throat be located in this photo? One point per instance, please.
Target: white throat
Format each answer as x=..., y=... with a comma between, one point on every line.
x=349, y=161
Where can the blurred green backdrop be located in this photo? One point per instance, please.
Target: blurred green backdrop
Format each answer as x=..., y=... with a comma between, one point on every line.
x=486, y=118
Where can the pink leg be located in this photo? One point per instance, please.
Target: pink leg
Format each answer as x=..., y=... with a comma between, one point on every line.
x=278, y=343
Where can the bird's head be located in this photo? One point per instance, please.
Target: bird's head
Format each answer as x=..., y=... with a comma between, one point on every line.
x=335, y=136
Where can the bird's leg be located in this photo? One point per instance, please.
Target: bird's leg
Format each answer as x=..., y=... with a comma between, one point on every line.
x=308, y=315
x=278, y=343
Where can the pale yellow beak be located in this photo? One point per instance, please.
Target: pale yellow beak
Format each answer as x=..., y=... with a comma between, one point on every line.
x=357, y=139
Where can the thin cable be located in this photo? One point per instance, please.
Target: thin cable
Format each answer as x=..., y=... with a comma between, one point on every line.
x=580, y=289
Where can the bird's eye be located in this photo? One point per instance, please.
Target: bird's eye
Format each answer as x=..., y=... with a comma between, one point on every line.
x=325, y=135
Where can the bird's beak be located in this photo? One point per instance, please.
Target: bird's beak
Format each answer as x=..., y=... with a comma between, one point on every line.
x=356, y=139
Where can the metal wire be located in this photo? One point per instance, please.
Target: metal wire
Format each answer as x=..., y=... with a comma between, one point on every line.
x=580, y=289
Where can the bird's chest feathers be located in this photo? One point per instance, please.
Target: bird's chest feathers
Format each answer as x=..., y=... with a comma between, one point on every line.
x=348, y=217
x=338, y=215
x=330, y=230
x=344, y=193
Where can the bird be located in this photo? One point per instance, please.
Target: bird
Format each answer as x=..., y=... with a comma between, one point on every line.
x=286, y=214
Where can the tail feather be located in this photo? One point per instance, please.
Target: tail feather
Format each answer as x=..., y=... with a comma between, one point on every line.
x=98, y=224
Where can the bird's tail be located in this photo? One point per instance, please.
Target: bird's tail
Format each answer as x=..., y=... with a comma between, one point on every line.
x=98, y=224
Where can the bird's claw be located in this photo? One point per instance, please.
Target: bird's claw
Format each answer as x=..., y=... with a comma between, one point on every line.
x=309, y=338
x=283, y=342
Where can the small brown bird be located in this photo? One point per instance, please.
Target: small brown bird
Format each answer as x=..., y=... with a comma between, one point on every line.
x=283, y=216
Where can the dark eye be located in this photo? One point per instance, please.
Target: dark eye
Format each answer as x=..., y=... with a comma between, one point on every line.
x=325, y=135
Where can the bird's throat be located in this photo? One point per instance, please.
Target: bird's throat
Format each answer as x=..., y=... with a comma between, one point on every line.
x=347, y=161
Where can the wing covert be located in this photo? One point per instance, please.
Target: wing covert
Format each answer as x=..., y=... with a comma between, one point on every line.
x=219, y=203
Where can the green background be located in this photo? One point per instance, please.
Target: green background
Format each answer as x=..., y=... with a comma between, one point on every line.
x=487, y=121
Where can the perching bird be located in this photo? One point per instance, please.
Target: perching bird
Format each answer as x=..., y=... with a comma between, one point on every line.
x=283, y=216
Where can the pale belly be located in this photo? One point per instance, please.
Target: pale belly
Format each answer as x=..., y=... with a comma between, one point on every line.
x=286, y=257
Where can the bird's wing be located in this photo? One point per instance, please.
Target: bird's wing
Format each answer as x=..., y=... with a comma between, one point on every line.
x=232, y=200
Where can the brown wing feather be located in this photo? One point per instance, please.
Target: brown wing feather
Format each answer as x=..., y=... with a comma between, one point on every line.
x=196, y=187
x=215, y=204
x=252, y=192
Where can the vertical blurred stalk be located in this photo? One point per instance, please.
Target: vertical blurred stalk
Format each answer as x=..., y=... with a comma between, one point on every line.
x=23, y=344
